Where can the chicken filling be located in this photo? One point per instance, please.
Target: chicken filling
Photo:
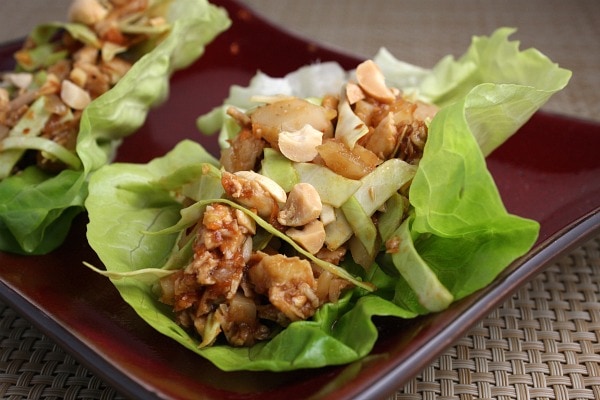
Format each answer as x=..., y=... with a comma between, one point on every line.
x=245, y=294
x=55, y=80
x=248, y=285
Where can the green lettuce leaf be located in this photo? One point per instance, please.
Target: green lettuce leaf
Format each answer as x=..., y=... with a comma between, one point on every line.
x=460, y=236
x=456, y=239
x=36, y=210
x=503, y=85
x=132, y=238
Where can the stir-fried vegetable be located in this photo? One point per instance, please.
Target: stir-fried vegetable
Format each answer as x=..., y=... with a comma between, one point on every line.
x=62, y=111
x=387, y=208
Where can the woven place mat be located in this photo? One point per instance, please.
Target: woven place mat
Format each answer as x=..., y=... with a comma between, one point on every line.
x=32, y=366
x=542, y=343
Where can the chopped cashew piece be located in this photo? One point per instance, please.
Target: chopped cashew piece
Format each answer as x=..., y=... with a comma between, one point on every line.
x=300, y=145
x=372, y=81
x=245, y=221
x=303, y=205
x=78, y=76
x=87, y=11
x=289, y=283
x=74, y=96
x=250, y=194
x=311, y=237
x=20, y=79
x=354, y=93
x=266, y=183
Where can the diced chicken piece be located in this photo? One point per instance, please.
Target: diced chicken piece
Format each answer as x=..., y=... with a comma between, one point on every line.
x=244, y=152
x=332, y=256
x=400, y=131
x=290, y=114
x=86, y=55
x=238, y=321
x=217, y=266
x=250, y=194
x=365, y=110
x=289, y=283
x=425, y=111
x=115, y=69
x=206, y=294
x=352, y=164
x=274, y=189
x=330, y=287
x=96, y=82
x=219, y=254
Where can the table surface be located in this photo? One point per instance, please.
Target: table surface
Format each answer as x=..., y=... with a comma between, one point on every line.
x=543, y=342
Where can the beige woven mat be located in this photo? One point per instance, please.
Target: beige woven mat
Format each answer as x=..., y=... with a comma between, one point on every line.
x=33, y=367
x=543, y=343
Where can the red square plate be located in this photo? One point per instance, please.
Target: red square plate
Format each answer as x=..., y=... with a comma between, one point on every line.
x=548, y=171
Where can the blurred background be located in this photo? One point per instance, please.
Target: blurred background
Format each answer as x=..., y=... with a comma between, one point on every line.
x=416, y=31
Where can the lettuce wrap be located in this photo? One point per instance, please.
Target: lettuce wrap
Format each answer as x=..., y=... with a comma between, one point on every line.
x=38, y=205
x=453, y=238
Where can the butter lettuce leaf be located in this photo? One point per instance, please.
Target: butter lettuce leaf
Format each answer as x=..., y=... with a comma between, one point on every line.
x=456, y=239
x=459, y=236
x=36, y=210
x=132, y=238
x=503, y=85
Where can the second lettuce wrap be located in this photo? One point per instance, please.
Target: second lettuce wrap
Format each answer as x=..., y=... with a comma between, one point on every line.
x=37, y=207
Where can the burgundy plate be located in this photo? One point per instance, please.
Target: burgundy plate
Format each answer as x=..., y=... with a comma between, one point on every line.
x=549, y=171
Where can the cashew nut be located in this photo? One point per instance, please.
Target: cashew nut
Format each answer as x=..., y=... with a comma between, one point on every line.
x=74, y=96
x=87, y=12
x=354, y=93
x=303, y=205
x=300, y=145
x=311, y=237
x=371, y=80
